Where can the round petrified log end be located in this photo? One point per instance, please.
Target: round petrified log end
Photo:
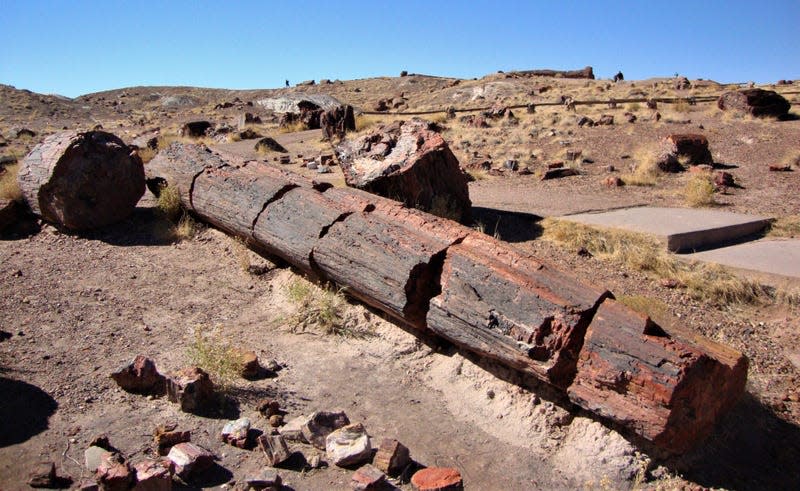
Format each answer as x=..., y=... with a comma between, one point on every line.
x=82, y=180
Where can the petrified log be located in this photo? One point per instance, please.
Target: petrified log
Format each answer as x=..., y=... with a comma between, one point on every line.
x=82, y=180
x=756, y=102
x=409, y=162
x=434, y=275
x=337, y=121
x=692, y=147
x=587, y=72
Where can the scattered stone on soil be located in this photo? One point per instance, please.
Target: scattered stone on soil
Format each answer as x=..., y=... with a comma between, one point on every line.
x=153, y=475
x=756, y=102
x=140, y=377
x=189, y=459
x=43, y=475
x=274, y=448
x=319, y=425
x=114, y=473
x=437, y=479
x=391, y=457
x=266, y=479
x=349, y=445
x=165, y=437
x=293, y=429
x=692, y=147
x=269, y=144
x=192, y=388
x=195, y=129
x=367, y=478
x=236, y=432
x=93, y=456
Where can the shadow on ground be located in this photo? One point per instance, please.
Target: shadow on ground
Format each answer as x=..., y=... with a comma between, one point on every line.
x=24, y=411
x=144, y=227
x=751, y=448
x=510, y=226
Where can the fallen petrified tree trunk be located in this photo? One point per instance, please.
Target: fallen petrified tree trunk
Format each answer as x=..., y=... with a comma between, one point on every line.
x=82, y=180
x=434, y=275
x=587, y=72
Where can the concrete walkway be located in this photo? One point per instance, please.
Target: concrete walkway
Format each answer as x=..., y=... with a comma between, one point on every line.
x=773, y=260
x=681, y=229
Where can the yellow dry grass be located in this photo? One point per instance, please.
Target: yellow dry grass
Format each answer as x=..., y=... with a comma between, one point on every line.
x=9, y=187
x=699, y=191
x=702, y=281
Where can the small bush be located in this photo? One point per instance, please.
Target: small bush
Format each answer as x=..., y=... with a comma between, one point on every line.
x=212, y=352
x=169, y=202
x=9, y=187
x=646, y=171
x=186, y=228
x=699, y=191
x=292, y=127
x=324, y=308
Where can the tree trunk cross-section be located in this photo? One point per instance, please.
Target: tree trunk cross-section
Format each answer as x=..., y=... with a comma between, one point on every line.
x=432, y=274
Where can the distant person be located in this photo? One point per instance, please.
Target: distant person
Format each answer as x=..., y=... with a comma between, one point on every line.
x=287, y=83
x=619, y=77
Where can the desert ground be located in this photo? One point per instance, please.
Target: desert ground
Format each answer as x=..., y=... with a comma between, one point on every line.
x=77, y=306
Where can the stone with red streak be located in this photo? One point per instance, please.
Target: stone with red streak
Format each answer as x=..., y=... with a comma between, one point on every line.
x=140, y=377
x=191, y=388
x=153, y=475
x=437, y=479
x=367, y=478
x=189, y=459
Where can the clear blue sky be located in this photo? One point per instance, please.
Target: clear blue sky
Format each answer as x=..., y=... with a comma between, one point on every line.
x=76, y=47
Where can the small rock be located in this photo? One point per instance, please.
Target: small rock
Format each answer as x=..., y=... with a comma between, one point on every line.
x=349, y=445
x=312, y=165
x=266, y=479
x=724, y=179
x=605, y=120
x=613, y=181
x=367, y=478
x=437, y=479
x=512, y=165
x=191, y=388
x=573, y=155
x=314, y=461
x=114, y=474
x=276, y=420
x=93, y=456
x=140, y=377
x=43, y=475
x=189, y=458
x=153, y=475
x=559, y=172
x=320, y=424
x=267, y=144
x=780, y=168
x=323, y=169
x=670, y=283
x=165, y=438
x=249, y=366
x=274, y=448
x=584, y=252
x=285, y=159
x=236, y=432
x=269, y=407
x=293, y=430
x=392, y=456
x=88, y=486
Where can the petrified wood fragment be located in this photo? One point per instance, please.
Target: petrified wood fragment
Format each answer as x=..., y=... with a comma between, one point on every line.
x=82, y=180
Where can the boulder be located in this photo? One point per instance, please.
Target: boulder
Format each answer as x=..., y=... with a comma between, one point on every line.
x=337, y=121
x=320, y=424
x=756, y=102
x=82, y=180
x=293, y=429
x=692, y=147
x=409, y=162
x=437, y=479
x=682, y=83
x=93, y=456
x=195, y=129
x=140, y=377
x=349, y=445
x=192, y=389
x=605, y=120
x=269, y=144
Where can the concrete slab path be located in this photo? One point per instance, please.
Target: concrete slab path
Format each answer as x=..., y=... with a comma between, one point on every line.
x=681, y=229
x=775, y=259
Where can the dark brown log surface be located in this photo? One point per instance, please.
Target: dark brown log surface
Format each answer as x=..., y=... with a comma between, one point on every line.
x=482, y=294
x=82, y=180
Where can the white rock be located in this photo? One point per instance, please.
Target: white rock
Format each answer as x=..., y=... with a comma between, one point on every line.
x=348, y=446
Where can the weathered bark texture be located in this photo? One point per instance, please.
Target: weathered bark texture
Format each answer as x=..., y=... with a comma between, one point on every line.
x=757, y=102
x=434, y=275
x=82, y=180
x=409, y=162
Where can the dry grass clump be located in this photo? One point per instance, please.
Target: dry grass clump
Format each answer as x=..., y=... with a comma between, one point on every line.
x=366, y=121
x=292, y=127
x=699, y=191
x=323, y=308
x=651, y=307
x=646, y=171
x=215, y=354
x=186, y=228
x=9, y=187
x=788, y=226
x=702, y=281
x=169, y=202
